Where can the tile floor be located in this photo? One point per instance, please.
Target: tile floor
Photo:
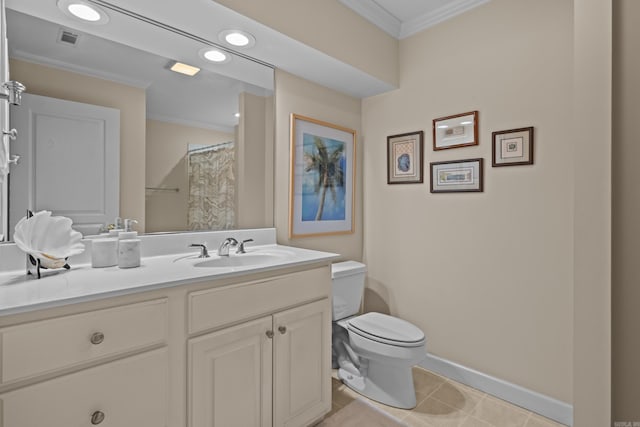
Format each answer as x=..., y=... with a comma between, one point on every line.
x=446, y=403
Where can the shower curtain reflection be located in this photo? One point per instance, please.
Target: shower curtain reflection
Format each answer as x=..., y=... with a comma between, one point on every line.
x=212, y=196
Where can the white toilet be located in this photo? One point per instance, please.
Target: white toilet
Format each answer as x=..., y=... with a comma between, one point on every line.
x=373, y=352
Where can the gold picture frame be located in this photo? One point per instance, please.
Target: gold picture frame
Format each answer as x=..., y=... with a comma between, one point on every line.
x=322, y=178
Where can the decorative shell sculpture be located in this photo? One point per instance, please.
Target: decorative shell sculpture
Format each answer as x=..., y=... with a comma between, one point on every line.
x=47, y=238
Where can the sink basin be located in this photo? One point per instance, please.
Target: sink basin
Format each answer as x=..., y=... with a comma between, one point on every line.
x=244, y=260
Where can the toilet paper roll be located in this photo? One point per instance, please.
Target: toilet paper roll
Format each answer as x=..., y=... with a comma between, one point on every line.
x=104, y=253
x=129, y=253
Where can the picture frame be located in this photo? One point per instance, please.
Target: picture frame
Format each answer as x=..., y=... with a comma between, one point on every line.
x=457, y=176
x=405, y=158
x=322, y=180
x=513, y=147
x=459, y=130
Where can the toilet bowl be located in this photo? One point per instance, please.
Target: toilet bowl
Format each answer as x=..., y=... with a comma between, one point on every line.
x=374, y=352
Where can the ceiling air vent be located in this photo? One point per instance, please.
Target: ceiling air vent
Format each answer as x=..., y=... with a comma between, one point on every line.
x=67, y=37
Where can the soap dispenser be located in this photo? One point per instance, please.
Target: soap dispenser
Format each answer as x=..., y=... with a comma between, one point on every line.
x=115, y=231
x=128, y=232
x=128, y=246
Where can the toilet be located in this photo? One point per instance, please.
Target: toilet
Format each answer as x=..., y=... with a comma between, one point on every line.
x=373, y=352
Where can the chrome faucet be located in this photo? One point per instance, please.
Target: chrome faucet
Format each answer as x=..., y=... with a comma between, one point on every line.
x=223, y=249
x=204, y=253
x=240, y=249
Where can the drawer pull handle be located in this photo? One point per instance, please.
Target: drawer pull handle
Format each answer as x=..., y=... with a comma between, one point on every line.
x=269, y=334
x=97, y=338
x=282, y=329
x=97, y=417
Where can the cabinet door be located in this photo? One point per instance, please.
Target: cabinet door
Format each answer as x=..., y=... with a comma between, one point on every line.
x=230, y=376
x=302, y=363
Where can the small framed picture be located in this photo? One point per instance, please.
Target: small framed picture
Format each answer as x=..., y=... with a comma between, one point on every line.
x=457, y=176
x=405, y=163
x=459, y=130
x=513, y=147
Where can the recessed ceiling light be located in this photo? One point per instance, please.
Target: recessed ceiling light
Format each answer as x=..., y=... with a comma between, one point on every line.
x=237, y=38
x=215, y=55
x=236, y=115
x=186, y=69
x=80, y=9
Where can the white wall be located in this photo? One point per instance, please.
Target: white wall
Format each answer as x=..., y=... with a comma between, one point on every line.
x=488, y=276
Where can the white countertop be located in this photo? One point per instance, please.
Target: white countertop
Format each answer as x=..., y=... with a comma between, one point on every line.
x=21, y=293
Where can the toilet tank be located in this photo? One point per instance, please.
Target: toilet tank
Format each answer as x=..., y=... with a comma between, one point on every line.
x=347, y=288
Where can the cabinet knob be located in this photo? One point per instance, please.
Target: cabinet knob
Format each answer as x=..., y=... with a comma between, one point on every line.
x=97, y=417
x=97, y=338
x=269, y=334
x=282, y=329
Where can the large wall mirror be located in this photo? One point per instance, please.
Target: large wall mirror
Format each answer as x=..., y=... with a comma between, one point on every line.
x=107, y=128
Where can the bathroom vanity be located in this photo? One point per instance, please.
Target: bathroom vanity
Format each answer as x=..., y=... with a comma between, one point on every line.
x=175, y=342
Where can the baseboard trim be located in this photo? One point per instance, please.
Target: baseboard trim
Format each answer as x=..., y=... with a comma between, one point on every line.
x=533, y=401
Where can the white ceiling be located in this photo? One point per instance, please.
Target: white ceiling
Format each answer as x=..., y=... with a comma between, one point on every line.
x=402, y=18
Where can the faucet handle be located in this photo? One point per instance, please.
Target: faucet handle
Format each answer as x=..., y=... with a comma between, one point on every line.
x=240, y=249
x=204, y=253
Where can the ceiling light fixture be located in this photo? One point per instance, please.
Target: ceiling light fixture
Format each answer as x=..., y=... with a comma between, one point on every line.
x=186, y=69
x=237, y=38
x=215, y=55
x=468, y=122
x=80, y=9
x=443, y=127
x=236, y=115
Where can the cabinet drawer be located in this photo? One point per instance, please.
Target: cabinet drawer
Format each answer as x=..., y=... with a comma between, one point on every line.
x=216, y=307
x=47, y=345
x=128, y=392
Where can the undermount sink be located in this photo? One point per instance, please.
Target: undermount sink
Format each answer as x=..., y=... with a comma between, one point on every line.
x=244, y=260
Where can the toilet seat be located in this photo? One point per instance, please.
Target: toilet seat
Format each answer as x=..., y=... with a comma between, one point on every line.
x=386, y=330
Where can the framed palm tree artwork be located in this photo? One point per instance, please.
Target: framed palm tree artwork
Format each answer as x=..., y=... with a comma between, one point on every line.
x=323, y=165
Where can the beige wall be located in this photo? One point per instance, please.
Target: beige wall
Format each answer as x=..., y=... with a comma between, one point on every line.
x=488, y=276
x=626, y=211
x=251, y=157
x=330, y=27
x=295, y=95
x=57, y=83
x=167, y=167
x=592, y=212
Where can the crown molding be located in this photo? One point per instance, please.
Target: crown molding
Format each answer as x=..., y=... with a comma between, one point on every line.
x=61, y=65
x=437, y=16
x=377, y=15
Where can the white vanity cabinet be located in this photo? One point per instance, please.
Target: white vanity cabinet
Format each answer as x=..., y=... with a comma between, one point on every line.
x=127, y=392
x=270, y=371
x=57, y=360
x=246, y=350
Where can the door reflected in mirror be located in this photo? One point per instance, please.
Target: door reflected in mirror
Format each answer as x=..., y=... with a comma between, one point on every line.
x=193, y=150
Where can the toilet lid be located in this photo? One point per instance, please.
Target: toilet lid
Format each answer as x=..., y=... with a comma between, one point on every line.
x=386, y=329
